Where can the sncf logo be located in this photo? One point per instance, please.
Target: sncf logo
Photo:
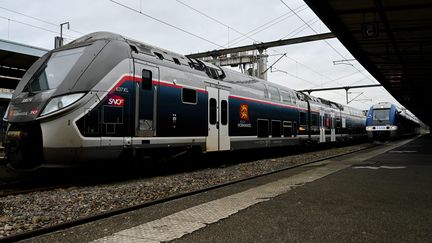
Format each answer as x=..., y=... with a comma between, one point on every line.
x=115, y=100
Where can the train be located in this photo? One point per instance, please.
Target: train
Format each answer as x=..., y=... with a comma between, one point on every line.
x=103, y=96
x=385, y=121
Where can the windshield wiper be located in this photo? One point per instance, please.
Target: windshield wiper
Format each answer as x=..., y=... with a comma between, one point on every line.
x=29, y=89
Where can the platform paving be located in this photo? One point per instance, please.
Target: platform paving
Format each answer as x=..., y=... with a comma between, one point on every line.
x=380, y=195
x=387, y=198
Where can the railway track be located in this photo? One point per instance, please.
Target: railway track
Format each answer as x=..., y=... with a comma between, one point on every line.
x=20, y=182
x=17, y=183
x=10, y=191
x=83, y=220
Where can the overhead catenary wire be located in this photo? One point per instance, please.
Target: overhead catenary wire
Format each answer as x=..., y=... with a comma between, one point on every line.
x=331, y=46
x=296, y=31
x=292, y=75
x=248, y=36
x=161, y=21
x=301, y=28
x=38, y=19
x=56, y=32
x=214, y=19
x=339, y=78
x=308, y=68
x=293, y=33
x=243, y=35
x=274, y=63
x=175, y=27
x=165, y=23
x=34, y=26
x=310, y=82
x=310, y=27
x=267, y=25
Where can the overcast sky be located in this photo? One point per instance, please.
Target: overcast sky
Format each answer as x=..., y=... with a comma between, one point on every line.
x=307, y=65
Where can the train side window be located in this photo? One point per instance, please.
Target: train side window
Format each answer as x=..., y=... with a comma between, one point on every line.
x=263, y=128
x=146, y=82
x=224, y=112
x=274, y=93
x=213, y=114
x=287, y=129
x=314, y=120
x=302, y=118
x=276, y=128
x=286, y=96
x=338, y=123
x=176, y=61
x=160, y=56
x=300, y=96
x=258, y=89
x=189, y=96
x=293, y=97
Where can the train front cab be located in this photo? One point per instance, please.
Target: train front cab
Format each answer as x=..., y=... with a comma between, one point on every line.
x=381, y=123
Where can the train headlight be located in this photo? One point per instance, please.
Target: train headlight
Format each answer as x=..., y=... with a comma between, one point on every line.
x=61, y=102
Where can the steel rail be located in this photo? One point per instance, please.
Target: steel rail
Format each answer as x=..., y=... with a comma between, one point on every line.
x=92, y=218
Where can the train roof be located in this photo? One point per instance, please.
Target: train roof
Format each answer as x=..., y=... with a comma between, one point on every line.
x=213, y=71
x=383, y=105
x=102, y=35
x=400, y=110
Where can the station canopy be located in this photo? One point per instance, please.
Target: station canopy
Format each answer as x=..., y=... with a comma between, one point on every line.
x=392, y=39
x=15, y=59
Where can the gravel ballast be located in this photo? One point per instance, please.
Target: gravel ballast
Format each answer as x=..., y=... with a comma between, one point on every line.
x=25, y=212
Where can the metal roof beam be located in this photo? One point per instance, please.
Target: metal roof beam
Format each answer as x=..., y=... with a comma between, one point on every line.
x=263, y=46
x=388, y=9
x=21, y=48
x=342, y=87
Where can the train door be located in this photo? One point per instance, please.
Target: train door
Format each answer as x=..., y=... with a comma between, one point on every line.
x=322, y=137
x=218, y=118
x=147, y=80
x=332, y=127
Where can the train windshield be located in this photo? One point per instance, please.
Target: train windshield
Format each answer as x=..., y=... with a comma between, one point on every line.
x=381, y=115
x=55, y=70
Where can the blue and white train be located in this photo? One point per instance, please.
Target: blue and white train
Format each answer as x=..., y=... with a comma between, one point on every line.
x=386, y=122
x=104, y=95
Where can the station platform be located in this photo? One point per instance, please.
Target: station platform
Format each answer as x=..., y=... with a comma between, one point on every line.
x=377, y=195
